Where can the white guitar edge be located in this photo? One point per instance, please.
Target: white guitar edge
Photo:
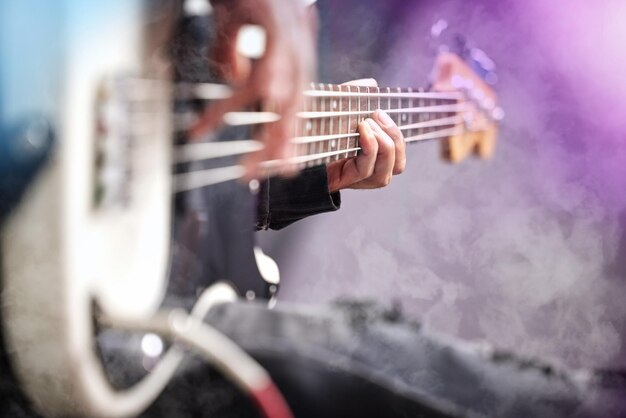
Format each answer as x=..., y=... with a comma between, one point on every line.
x=60, y=255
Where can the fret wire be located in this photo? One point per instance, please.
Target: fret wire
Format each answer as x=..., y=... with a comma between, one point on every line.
x=358, y=88
x=438, y=115
x=398, y=107
x=307, y=126
x=339, y=120
x=331, y=146
x=329, y=124
x=344, y=128
x=349, y=120
x=340, y=107
x=322, y=127
x=433, y=102
x=429, y=116
x=333, y=123
x=402, y=114
x=420, y=116
x=404, y=117
x=301, y=149
x=297, y=147
x=411, y=132
x=446, y=113
x=368, y=108
x=329, y=87
x=365, y=107
x=435, y=115
x=388, y=98
x=417, y=116
x=357, y=120
x=393, y=108
x=337, y=124
x=315, y=131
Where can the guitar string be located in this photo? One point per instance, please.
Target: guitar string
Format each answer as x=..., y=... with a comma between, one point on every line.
x=401, y=94
x=184, y=121
x=140, y=90
x=208, y=150
x=211, y=91
x=203, y=151
x=202, y=178
x=408, y=110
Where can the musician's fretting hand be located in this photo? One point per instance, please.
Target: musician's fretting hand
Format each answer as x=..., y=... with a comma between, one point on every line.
x=277, y=78
x=383, y=153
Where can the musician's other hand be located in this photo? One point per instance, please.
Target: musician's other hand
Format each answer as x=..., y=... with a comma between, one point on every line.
x=383, y=154
x=277, y=78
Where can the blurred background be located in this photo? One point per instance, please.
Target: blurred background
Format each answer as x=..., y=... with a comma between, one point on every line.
x=528, y=250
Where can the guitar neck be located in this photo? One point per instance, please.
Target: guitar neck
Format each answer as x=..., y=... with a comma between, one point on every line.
x=327, y=128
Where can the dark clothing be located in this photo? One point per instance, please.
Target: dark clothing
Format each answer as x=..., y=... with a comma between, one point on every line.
x=283, y=201
x=354, y=360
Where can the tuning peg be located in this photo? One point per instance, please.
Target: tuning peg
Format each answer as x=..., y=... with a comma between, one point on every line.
x=487, y=104
x=476, y=58
x=497, y=114
x=484, y=65
x=438, y=28
x=462, y=83
x=439, y=39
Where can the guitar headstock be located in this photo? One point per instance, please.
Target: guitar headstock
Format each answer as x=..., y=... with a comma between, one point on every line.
x=480, y=113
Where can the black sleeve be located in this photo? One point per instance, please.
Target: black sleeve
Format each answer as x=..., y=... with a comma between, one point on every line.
x=283, y=201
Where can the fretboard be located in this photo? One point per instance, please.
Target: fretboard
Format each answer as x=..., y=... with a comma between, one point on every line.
x=327, y=128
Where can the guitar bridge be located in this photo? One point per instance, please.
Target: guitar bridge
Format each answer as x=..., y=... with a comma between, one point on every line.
x=125, y=112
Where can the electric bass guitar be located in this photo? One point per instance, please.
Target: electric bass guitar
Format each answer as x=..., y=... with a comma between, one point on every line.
x=86, y=162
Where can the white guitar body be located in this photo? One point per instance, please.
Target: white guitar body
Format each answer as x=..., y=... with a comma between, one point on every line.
x=65, y=251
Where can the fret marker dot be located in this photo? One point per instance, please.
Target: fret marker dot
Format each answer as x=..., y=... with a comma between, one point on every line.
x=333, y=144
x=404, y=117
x=308, y=126
x=334, y=104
